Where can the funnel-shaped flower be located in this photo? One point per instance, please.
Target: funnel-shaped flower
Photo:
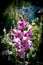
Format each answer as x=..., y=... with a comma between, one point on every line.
x=17, y=44
x=27, y=33
x=26, y=22
x=16, y=39
x=21, y=25
x=18, y=34
x=27, y=44
x=21, y=52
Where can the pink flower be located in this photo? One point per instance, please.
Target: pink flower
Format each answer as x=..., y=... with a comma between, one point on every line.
x=29, y=42
x=27, y=33
x=19, y=34
x=21, y=25
x=25, y=41
x=17, y=44
x=10, y=33
x=21, y=52
x=11, y=30
x=26, y=22
x=24, y=38
x=21, y=37
x=16, y=39
x=27, y=46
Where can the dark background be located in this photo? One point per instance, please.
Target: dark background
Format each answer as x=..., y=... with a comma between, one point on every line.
x=5, y=3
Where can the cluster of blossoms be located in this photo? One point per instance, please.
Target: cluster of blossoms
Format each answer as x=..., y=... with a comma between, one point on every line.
x=21, y=37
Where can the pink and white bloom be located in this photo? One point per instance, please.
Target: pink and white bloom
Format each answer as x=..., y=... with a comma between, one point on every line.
x=30, y=27
x=25, y=38
x=19, y=34
x=16, y=39
x=27, y=33
x=29, y=42
x=18, y=45
x=24, y=41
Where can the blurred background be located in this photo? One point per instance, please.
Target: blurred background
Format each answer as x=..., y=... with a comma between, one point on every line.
x=9, y=13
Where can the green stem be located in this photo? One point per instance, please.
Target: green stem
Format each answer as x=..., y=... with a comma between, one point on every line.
x=24, y=59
